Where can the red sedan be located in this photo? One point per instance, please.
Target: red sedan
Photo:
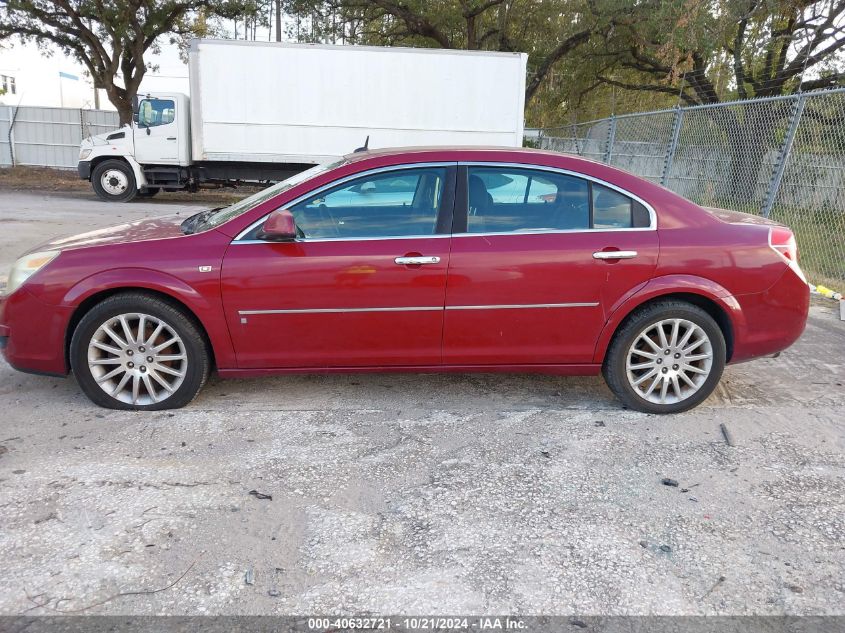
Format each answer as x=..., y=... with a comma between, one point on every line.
x=457, y=260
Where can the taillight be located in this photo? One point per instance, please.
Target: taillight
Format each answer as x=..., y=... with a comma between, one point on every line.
x=782, y=241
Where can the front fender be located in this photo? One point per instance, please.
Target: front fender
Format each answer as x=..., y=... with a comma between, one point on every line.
x=663, y=286
x=209, y=312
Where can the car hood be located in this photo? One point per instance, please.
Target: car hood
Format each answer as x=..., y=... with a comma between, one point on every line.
x=140, y=231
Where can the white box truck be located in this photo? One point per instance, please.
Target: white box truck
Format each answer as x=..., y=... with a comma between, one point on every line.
x=261, y=112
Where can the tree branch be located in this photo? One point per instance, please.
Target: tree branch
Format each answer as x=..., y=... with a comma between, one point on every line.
x=569, y=44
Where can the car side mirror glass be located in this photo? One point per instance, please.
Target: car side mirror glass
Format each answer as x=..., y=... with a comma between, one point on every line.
x=279, y=226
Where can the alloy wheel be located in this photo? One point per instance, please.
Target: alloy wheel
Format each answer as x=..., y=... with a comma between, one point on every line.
x=669, y=361
x=137, y=359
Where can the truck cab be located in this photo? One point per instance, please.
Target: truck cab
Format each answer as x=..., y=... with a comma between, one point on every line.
x=151, y=154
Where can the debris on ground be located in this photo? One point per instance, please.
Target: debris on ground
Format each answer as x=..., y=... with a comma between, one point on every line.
x=729, y=440
x=669, y=482
x=260, y=495
x=715, y=585
x=249, y=576
x=273, y=592
x=665, y=548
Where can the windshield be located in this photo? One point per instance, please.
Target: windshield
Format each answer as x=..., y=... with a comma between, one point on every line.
x=219, y=216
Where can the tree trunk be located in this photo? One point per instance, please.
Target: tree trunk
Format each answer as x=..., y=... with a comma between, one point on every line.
x=124, y=110
x=278, y=20
x=748, y=136
x=121, y=102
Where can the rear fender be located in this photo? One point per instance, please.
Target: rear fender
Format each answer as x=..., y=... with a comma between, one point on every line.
x=664, y=286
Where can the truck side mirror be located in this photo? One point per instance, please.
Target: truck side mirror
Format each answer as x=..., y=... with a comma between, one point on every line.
x=279, y=226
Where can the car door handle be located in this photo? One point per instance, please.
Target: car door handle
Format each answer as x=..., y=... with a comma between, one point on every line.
x=406, y=261
x=171, y=138
x=614, y=254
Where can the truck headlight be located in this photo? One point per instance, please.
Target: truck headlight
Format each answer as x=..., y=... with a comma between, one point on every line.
x=84, y=153
x=26, y=267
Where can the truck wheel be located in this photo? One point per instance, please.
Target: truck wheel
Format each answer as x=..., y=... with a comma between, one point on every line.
x=667, y=358
x=114, y=181
x=135, y=351
x=148, y=192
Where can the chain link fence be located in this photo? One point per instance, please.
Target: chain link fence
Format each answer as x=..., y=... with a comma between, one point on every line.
x=781, y=157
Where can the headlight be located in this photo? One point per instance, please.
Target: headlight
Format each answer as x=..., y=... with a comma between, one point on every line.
x=27, y=266
x=83, y=154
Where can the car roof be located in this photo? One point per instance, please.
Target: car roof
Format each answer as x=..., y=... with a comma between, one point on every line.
x=458, y=152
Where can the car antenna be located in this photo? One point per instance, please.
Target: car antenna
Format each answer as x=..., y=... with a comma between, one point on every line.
x=365, y=146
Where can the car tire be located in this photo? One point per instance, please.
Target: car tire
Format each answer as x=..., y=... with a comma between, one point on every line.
x=114, y=181
x=119, y=357
x=688, y=358
x=148, y=192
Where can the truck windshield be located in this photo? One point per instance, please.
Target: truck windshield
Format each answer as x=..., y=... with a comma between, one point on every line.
x=216, y=217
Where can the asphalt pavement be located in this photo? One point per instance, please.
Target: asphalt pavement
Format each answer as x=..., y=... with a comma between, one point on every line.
x=420, y=494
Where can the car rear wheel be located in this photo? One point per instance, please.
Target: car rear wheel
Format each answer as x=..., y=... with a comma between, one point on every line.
x=114, y=181
x=135, y=351
x=667, y=357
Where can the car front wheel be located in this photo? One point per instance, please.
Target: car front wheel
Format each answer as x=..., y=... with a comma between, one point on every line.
x=136, y=351
x=666, y=358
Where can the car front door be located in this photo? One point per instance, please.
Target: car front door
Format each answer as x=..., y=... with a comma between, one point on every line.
x=363, y=285
x=538, y=259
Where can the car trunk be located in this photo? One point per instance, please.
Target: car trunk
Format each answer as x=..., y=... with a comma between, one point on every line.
x=737, y=217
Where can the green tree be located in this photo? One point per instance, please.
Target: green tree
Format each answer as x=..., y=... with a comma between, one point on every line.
x=111, y=37
x=706, y=52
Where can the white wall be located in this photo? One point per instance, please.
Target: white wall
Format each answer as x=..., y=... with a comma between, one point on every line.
x=38, y=83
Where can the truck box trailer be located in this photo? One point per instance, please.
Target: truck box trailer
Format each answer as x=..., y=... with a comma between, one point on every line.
x=261, y=112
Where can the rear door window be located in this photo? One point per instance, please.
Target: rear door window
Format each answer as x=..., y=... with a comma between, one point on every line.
x=512, y=200
x=505, y=200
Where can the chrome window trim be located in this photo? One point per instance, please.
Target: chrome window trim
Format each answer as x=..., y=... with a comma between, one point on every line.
x=349, y=239
x=652, y=214
x=376, y=170
x=520, y=306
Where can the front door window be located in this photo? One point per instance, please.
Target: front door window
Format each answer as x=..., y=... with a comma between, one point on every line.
x=399, y=203
x=155, y=112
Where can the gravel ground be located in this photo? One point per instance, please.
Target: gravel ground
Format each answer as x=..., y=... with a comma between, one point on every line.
x=421, y=494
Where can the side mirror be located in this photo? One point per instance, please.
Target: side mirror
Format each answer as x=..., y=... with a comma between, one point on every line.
x=278, y=227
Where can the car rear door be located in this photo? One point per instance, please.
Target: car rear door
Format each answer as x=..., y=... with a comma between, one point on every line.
x=364, y=285
x=538, y=259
